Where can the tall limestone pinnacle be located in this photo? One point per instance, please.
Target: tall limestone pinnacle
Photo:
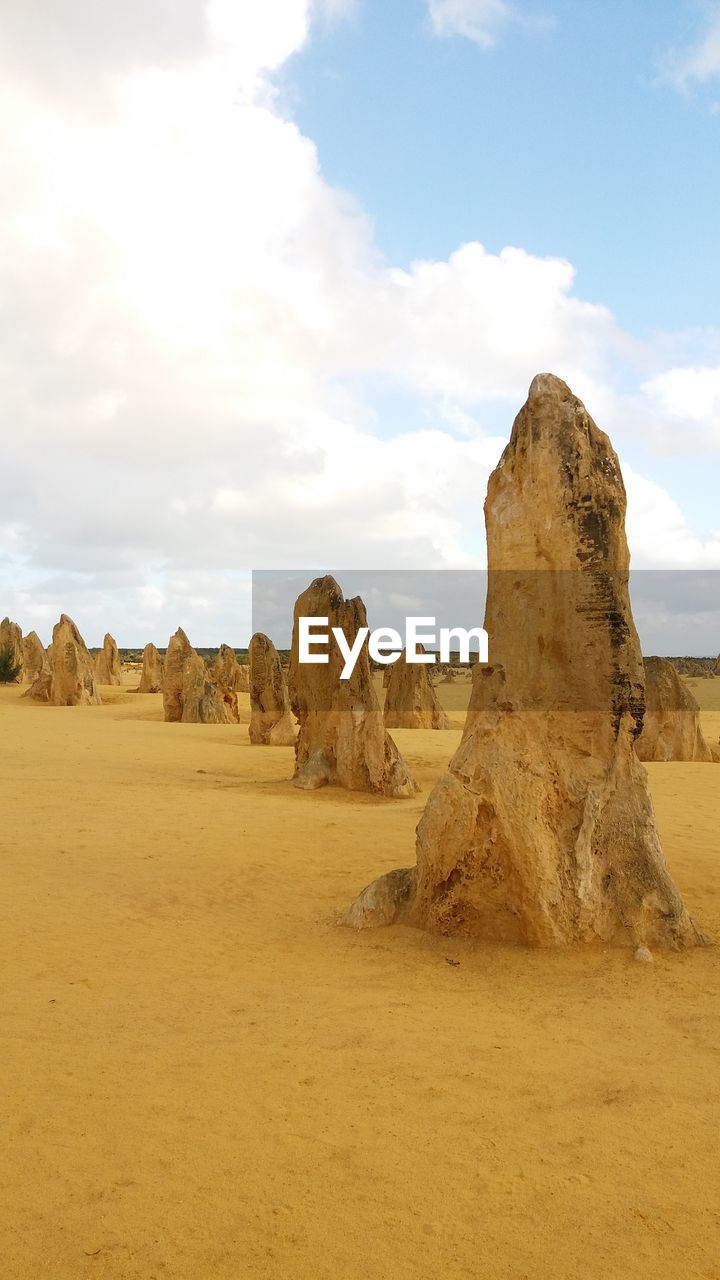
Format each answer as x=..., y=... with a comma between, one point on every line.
x=229, y=673
x=271, y=724
x=558, y=610
x=342, y=738
x=33, y=656
x=411, y=701
x=108, y=668
x=542, y=831
x=67, y=678
x=189, y=694
x=151, y=679
x=11, y=637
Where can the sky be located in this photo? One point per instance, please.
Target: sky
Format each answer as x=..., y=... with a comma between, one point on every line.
x=275, y=279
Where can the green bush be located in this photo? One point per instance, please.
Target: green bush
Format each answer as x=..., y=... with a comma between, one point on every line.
x=9, y=668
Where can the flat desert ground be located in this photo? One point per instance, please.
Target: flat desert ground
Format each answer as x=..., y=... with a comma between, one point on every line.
x=204, y=1078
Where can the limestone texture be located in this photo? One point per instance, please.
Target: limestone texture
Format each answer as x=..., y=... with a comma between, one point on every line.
x=671, y=727
x=34, y=656
x=67, y=678
x=229, y=673
x=11, y=635
x=108, y=669
x=271, y=724
x=342, y=738
x=151, y=678
x=190, y=696
x=410, y=699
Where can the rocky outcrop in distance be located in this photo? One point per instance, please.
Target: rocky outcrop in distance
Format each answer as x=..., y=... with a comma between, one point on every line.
x=11, y=638
x=229, y=673
x=190, y=696
x=671, y=726
x=271, y=723
x=108, y=669
x=410, y=698
x=151, y=678
x=342, y=737
x=67, y=678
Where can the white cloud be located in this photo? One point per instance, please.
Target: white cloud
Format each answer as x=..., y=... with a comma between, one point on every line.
x=183, y=304
x=689, y=400
x=481, y=324
x=69, y=48
x=700, y=62
x=335, y=10
x=478, y=20
x=481, y=21
x=658, y=531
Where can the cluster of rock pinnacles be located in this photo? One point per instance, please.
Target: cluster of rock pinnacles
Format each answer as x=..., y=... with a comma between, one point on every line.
x=67, y=675
x=541, y=831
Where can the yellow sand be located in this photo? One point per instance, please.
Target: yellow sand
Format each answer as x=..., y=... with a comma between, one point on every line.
x=707, y=694
x=204, y=1077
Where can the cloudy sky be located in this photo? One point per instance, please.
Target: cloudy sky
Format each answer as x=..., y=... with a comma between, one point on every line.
x=275, y=278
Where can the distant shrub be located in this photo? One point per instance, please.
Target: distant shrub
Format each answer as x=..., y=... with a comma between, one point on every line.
x=9, y=668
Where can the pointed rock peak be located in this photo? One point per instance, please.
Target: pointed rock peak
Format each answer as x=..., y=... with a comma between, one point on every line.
x=327, y=587
x=548, y=384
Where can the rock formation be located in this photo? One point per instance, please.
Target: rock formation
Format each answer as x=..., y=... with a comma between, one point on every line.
x=189, y=693
x=671, y=728
x=696, y=668
x=34, y=656
x=229, y=673
x=542, y=830
x=108, y=669
x=271, y=724
x=151, y=680
x=342, y=736
x=411, y=701
x=68, y=677
x=11, y=635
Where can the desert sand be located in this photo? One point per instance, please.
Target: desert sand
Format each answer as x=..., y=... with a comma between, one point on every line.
x=204, y=1077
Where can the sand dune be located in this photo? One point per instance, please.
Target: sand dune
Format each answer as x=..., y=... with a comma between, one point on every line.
x=203, y=1077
